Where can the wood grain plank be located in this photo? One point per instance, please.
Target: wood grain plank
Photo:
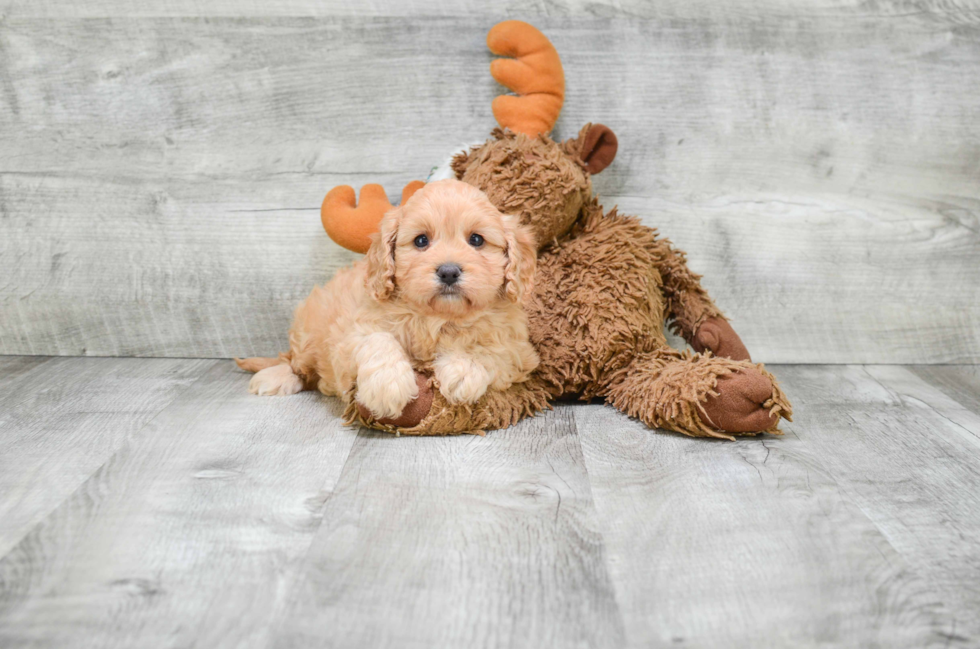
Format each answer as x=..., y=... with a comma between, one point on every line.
x=909, y=386
x=471, y=541
x=746, y=544
x=191, y=276
x=12, y=368
x=958, y=382
x=908, y=460
x=160, y=176
x=190, y=534
x=966, y=11
x=60, y=419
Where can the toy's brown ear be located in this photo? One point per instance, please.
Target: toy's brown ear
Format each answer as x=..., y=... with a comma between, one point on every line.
x=599, y=145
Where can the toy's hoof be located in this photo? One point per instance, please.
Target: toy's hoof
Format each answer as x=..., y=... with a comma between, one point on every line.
x=740, y=404
x=716, y=335
x=414, y=412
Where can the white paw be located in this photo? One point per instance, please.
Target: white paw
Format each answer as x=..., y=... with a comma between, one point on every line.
x=277, y=380
x=461, y=380
x=387, y=390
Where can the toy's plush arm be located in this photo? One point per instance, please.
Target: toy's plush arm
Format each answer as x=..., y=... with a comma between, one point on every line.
x=431, y=414
x=693, y=313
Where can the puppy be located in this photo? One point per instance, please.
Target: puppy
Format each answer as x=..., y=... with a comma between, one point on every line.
x=440, y=290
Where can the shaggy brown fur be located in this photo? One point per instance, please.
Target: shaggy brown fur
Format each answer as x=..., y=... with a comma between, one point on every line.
x=604, y=286
x=530, y=178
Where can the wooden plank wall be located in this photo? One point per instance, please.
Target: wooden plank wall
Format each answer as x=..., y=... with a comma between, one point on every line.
x=161, y=167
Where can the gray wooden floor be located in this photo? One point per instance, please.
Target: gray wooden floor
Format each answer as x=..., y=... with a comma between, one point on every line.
x=154, y=503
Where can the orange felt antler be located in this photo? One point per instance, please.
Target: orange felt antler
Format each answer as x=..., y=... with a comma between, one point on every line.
x=535, y=74
x=350, y=225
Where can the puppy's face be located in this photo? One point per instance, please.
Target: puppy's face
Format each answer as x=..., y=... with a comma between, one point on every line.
x=449, y=251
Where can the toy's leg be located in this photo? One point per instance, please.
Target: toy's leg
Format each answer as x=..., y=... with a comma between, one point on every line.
x=691, y=310
x=701, y=396
x=643, y=258
x=431, y=414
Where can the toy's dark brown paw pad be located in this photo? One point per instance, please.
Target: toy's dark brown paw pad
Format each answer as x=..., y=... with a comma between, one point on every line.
x=414, y=412
x=717, y=336
x=741, y=403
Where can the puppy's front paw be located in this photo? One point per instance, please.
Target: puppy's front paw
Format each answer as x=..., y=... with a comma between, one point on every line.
x=461, y=380
x=277, y=380
x=387, y=390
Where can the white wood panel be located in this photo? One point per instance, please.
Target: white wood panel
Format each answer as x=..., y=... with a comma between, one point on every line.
x=964, y=11
x=820, y=171
x=961, y=383
x=457, y=542
x=61, y=419
x=236, y=521
x=191, y=534
x=907, y=455
x=746, y=544
x=199, y=271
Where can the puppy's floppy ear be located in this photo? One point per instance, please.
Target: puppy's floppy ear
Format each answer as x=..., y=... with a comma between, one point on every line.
x=381, y=256
x=521, y=259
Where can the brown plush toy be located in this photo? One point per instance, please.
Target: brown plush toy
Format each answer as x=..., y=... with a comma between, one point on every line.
x=604, y=287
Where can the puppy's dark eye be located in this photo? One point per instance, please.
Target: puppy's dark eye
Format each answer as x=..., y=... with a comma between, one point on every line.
x=421, y=241
x=476, y=240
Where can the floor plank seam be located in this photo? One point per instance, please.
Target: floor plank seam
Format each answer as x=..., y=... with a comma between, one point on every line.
x=617, y=592
x=965, y=433
x=112, y=456
x=849, y=495
x=324, y=498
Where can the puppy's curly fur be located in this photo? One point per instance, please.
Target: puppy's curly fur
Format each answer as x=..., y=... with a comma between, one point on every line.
x=440, y=290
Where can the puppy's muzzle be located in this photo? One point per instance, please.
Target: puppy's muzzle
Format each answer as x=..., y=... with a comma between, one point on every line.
x=449, y=274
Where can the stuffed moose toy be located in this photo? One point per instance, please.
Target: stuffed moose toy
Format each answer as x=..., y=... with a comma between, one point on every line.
x=604, y=285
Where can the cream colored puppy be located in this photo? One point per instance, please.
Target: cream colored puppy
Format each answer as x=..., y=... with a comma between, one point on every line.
x=440, y=289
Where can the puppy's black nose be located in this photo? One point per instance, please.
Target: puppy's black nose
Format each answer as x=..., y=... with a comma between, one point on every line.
x=449, y=273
